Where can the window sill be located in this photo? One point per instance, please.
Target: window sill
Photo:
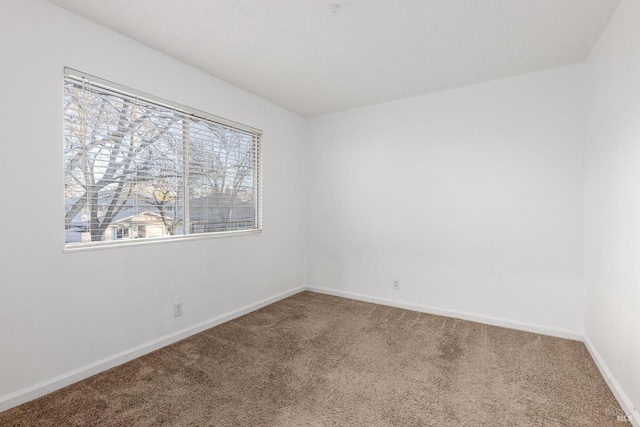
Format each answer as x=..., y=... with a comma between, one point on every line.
x=81, y=247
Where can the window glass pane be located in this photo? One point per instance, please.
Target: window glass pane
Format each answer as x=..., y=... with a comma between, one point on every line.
x=221, y=178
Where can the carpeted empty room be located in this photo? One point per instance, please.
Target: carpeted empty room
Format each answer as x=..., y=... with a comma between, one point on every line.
x=313, y=359
x=320, y=213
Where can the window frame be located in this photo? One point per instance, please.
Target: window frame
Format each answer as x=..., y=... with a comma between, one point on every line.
x=186, y=111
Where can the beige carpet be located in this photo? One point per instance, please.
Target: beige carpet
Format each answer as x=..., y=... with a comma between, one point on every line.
x=317, y=360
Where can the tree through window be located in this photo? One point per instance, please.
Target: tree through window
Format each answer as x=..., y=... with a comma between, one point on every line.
x=139, y=168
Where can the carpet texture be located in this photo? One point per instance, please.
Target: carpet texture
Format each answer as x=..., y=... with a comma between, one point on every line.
x=318, y=360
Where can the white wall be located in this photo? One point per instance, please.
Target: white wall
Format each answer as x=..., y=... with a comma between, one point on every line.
x=61, y=311
x=472, y=198
x=612, y=199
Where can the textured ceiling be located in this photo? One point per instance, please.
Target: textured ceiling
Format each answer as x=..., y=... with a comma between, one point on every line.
x=315, y=56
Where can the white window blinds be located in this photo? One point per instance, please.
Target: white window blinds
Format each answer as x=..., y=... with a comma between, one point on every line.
x=137, y=167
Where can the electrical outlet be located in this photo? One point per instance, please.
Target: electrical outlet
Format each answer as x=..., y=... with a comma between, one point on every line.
x=177, y=309
x=396, y=285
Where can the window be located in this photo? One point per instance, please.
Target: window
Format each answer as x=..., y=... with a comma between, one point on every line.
x=139, y=168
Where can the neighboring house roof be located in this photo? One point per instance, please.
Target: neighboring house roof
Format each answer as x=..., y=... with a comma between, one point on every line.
x=141, y=218
x=146, y=217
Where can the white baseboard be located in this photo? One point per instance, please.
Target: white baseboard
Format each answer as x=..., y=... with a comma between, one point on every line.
x=613, y=384
x=495, y=321
x=53, y=384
